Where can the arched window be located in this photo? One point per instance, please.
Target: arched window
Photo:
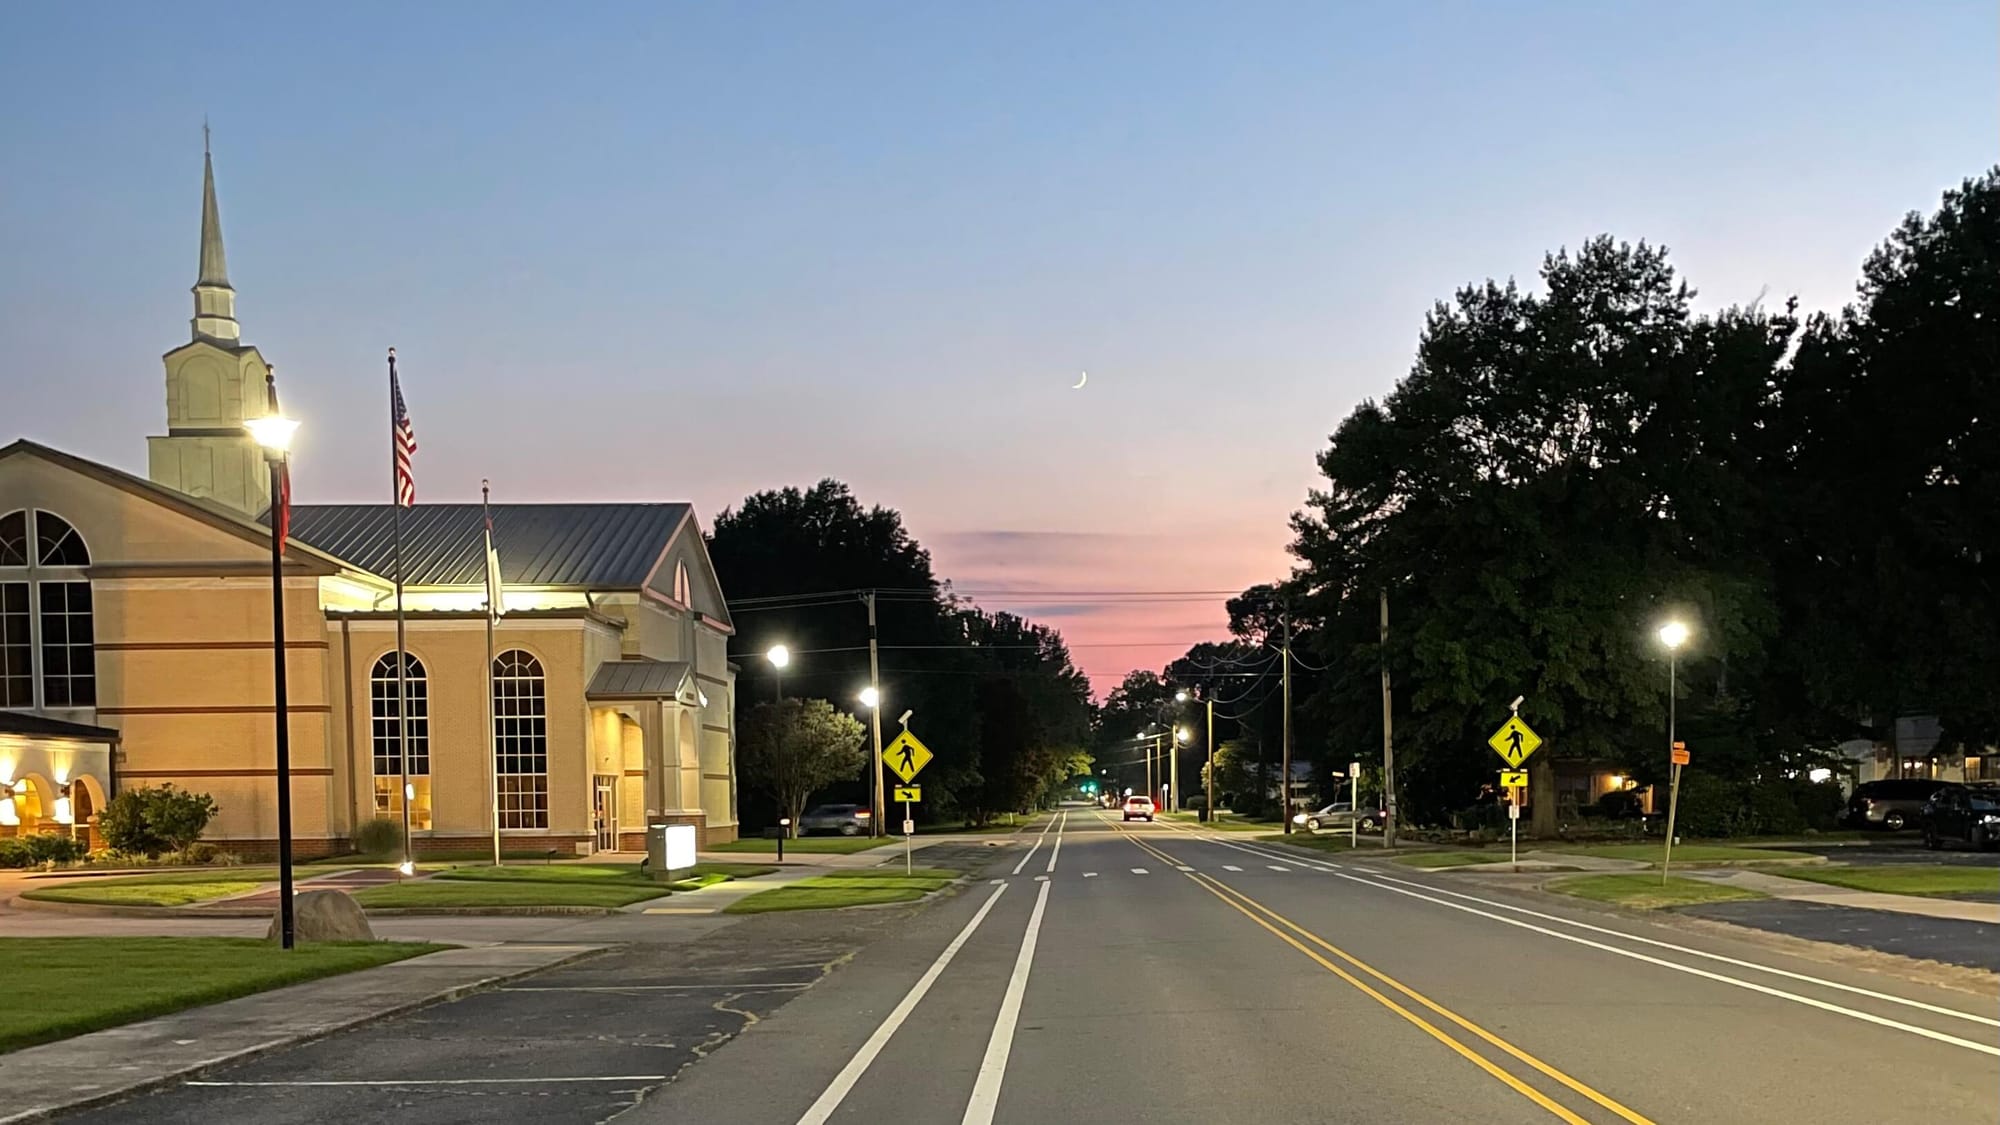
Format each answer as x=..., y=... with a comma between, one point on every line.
x=683, y=592
x=47, y=627
x=521, y=740
x=386, y=739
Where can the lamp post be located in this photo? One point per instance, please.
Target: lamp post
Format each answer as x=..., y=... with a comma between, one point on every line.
x=1208, y=780
x=1673, y=635
x=274, y=433
x=871, y=698
x=779, y=656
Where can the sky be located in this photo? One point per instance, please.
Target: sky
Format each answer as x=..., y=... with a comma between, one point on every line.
x=678, y=251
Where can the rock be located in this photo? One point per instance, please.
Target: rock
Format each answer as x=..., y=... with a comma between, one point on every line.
x=326, y=916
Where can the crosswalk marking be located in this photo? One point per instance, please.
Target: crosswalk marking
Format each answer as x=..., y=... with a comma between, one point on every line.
x=1275, y=867
x=1090, y=874
x=1231, y=867
x=1138, y=871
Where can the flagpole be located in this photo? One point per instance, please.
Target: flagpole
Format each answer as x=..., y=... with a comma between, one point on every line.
x=492, y=594
x=402, y=650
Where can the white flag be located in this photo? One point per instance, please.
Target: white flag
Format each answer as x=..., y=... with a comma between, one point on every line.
x=496, y=590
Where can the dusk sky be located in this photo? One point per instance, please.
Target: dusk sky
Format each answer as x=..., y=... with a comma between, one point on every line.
x=686, y=252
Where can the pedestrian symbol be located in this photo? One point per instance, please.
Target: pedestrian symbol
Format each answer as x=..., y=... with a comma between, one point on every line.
x=906, y=757
x=1514, y=741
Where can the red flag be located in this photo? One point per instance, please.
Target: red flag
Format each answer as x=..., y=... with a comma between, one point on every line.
x=281, y=504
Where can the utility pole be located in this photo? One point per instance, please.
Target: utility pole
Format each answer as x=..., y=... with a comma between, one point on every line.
x=1208, y=785
x=875, y=806
x=1285, y=771
x=1388, y=738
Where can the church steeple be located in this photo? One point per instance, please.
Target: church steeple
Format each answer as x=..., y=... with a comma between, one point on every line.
x=214, y=300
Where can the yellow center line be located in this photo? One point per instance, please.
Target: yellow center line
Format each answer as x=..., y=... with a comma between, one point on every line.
x=1230, y=896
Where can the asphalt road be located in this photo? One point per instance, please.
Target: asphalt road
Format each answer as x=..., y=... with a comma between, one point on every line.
x=1096, y=972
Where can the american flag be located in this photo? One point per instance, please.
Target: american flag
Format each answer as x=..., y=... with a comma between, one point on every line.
x=405, y=438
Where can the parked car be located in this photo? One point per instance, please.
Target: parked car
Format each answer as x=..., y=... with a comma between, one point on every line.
x=1139, y=808
x=1340, y=814
x=847, y=820
x=1963, y=814
x=1894, y=803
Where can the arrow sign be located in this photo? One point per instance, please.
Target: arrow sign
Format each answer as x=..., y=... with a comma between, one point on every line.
x=909, y=793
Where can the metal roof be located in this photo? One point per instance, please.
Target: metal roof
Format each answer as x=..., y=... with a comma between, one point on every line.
x=600, y=546
x=637, y=679
x=23, y=724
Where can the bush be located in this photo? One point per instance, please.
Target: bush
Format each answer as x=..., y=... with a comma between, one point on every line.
x=45, y=847
x=379, y=839
x=14, y=852
x=1713, y=807
x=150, y=821
x=201, y=854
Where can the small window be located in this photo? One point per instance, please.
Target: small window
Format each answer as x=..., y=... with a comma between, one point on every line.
x=17, y=653
x=69, y=651
x=57, y=543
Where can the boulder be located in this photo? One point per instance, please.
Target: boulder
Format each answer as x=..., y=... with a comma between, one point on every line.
x=326, y=916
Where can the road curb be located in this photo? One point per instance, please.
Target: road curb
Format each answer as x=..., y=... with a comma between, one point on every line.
x=155, y=1081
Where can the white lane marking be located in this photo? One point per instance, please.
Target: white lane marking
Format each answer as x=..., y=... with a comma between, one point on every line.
x=1866, y=1017
x=1231, y=867
x=1737, y=962
x=1057, y=850
x=1275, y=867
x=442, y=1081
x=1090, y=874
x=996, y=882
x=1138, y=871
x=993, y=1068
x=1041, y=878
x=1037, y=846
x=837, y=1090
x=1727, y=960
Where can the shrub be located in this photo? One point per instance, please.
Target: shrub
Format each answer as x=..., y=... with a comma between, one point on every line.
x=199, y=853
x=150, y=821
x=1711, y=806
x=379, y=839
x=56, y=847
x=15, y=852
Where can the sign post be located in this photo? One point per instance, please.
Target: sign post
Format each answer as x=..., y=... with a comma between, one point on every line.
x=1514, y=741
x=906, y=757
x=1679, y=757
x=1354, y=805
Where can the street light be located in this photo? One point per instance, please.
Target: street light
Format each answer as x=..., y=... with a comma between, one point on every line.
x=274, y=433
x=1673, y=635
x=779, y=656
x=870, y=698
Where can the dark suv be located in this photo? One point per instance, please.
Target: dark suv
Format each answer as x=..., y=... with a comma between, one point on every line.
x=1963, y=814
x=1893, y=804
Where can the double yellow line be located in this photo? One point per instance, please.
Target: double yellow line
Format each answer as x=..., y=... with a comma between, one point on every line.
x=1273, y=921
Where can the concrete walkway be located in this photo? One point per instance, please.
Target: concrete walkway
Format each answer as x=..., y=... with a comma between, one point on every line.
x=1801, y=890
x=104, y=1065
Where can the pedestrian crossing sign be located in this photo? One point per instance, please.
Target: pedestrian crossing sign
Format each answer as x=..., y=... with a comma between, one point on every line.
x=906, y=757
x=1514, y=741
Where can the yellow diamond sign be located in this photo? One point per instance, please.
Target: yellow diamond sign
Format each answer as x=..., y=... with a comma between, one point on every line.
x=906, y=757
x=1514, y=741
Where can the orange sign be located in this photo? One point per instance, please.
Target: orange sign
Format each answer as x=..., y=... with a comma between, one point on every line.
x=1680, y=753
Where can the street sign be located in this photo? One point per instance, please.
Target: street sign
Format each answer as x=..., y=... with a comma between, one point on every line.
x=1513, y=779
x=1514, y=741
x=906, y=756
x=1513, y=812
x=909, y=793
x=909, y=829
x=1680, y=753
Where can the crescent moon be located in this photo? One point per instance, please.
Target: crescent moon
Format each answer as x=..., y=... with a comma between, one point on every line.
x=1082, y=377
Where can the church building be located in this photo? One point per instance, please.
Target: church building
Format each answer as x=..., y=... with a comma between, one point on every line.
x=136, y=643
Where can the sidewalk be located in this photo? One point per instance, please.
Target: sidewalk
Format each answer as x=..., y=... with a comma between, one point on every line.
x=1800, y=890
x=105, y=1065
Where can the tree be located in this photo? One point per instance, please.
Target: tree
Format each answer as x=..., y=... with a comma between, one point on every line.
x=1034, y=713
x=791, y=750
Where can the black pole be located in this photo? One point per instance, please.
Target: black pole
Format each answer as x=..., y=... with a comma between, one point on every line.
x=285, y=926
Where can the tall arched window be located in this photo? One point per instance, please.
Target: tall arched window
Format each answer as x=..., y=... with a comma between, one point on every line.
x=386, y=739
x=521, y=740
x=48, y=652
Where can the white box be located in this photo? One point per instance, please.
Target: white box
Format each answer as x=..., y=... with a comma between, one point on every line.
x=680, y=846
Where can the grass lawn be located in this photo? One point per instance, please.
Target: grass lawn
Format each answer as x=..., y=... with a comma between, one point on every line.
x=441, y=892
x=844, y=888
x=58, y=987
x=1645, y=892
x=1431, y=861
x=177, y=889
x=838, y=845
x=602, y=874
x=1913, y=879
x=1690, y=853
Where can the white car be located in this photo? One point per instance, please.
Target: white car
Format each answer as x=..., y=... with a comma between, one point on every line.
x=1139, y=808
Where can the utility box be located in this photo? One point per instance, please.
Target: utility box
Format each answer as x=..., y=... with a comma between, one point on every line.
x=670, y=849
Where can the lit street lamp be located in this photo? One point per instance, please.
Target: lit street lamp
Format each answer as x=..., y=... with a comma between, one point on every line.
x=274, y=433
x=1673, y=635
x=779, y=656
